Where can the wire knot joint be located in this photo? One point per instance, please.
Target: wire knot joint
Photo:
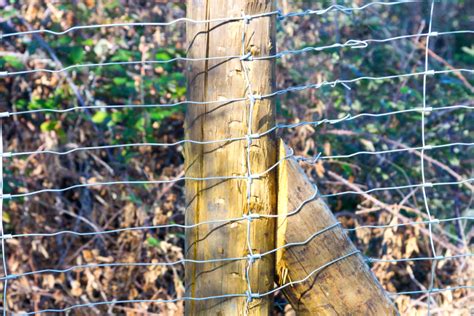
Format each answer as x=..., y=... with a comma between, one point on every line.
x=254, y=136
x=10, y=276
x=5, y=196
x=434, y=221
x=250, y=217
x=254, y=97
x=251, y=296
x=356, y=44
x=252, y=257
x=333, y=84
x=247, y=57
x=246, y=18
x=280, y=15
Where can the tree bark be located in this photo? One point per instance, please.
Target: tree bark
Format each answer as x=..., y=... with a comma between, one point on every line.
x=225, y=199
x=346, y=287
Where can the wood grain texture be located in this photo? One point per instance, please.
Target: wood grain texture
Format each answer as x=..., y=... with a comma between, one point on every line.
x=213, y=200
x=346, y=287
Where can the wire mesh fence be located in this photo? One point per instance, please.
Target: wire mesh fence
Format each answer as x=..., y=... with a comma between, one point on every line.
x=425, y=218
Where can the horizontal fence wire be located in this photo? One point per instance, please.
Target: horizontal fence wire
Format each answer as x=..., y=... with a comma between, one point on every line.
x=237, y=177
x=343, y=82
x=352, y=43
x=277, y=13
x=248, y=218
x=345, y=118
x=62, y=310
x=220, y=260
x=222, y=221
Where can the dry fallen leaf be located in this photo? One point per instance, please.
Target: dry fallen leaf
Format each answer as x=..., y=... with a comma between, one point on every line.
x=76, y=289
x=411, y=246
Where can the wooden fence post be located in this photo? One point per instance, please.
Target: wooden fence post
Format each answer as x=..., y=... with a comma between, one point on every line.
x=346, y=287
x=225, y=199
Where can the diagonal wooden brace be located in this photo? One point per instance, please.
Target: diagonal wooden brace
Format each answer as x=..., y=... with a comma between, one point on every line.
x=345, y=287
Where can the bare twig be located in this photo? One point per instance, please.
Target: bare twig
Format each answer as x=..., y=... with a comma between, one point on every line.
x=390, y=208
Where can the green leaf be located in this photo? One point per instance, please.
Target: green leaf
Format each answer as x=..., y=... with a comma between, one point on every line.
x=122, y=55
x=112, y=4
x=64, y=40
x=181, y=91
x=163, y=56
x=404, y=90
x=76, y=54
x=8, y=12
x=347, y=169
x=48, y=126
x=153, y=242
x=99, y=117
x=13, y=62
x=87, y=42
x=117, y=117
x=6, y=217
x=160, y=114
x=455, y=161
x=140, y=124
x=21, y=104
x=120, y=80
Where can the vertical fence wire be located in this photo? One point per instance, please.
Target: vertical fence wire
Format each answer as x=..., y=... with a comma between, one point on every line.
x=248, y=149
x=422, y=160
x=2, y=231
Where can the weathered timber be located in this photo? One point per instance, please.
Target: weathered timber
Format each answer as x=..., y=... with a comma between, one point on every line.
x=346, y=287
x=224, y=199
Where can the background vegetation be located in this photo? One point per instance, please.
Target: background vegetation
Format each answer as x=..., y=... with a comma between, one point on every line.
x=104, y=208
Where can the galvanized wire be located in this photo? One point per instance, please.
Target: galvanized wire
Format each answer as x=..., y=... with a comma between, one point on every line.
x=277, y=13
x=2, y=231
x=351, y=43
x=346, y=117
x=246, y=58
x=343, y=82
x=422, y=161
